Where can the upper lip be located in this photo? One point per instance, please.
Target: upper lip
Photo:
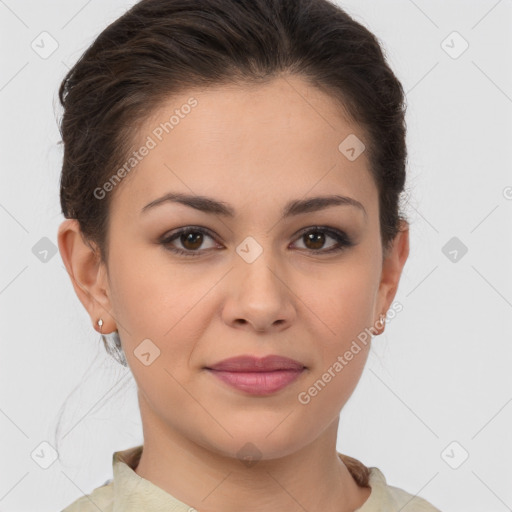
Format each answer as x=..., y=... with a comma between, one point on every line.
x=256, y=364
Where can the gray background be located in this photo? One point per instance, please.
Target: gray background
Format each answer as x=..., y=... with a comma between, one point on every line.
x=437, y=386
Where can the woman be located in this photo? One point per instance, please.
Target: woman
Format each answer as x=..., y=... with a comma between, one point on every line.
x=231, y=182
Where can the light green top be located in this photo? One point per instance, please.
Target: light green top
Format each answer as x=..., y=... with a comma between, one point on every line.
x=128, y=492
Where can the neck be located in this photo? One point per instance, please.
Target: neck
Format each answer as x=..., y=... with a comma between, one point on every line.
x=310, y=478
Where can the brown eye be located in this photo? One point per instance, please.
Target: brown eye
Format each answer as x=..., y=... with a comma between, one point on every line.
x=190, y=238
x=315, y=238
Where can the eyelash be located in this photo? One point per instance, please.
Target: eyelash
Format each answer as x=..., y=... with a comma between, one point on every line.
x=341, y=238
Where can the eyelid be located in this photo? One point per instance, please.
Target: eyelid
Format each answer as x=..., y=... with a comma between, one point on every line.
x=342, y=239
x=339, y=235
x=172, y=235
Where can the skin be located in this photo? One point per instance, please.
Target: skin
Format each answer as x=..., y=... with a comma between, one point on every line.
x=254, y=148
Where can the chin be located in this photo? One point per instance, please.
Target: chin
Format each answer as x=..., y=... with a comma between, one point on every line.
x=252, y=442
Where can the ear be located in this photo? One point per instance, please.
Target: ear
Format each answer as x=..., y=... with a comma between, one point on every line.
x=87, y=273
x=392, y=265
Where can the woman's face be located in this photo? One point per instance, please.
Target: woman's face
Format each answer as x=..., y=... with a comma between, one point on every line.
x=257, y=281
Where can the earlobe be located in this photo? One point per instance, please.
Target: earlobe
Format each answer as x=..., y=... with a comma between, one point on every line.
x=86, y=272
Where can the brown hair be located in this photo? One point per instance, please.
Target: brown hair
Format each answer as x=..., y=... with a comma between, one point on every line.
x=159, y=48
x=162, y=47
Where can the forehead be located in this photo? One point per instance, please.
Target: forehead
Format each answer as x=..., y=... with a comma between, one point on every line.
x=282, y=138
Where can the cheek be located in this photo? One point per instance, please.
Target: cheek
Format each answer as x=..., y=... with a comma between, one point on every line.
x=155, y=299
x=150, y=294
x=342, y=299
x=154, y=311
x=345, y=306
x=341, y=307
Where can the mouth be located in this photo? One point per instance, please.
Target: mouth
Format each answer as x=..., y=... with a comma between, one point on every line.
x=257, y=376
x=257, y=364
x=258, y=383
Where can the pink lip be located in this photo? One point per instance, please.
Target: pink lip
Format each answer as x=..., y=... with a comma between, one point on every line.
x=258, y=383
x=256, y=364
x=258, y=376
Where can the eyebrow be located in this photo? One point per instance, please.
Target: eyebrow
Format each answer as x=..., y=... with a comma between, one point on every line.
x=292, y=208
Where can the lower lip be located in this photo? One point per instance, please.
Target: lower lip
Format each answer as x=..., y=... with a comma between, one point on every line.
x=258, y=383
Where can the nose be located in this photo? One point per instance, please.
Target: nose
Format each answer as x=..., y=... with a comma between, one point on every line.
x=259, y=298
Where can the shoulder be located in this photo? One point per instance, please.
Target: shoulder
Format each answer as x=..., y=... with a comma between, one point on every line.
x=407, y=502
x=101, y=498
x=390, y=498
